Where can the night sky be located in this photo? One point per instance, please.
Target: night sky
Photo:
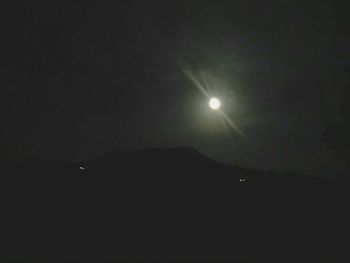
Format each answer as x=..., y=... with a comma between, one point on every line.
x=83, y=78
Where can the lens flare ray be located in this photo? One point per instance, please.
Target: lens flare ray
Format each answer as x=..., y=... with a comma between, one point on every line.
x=231, y=123
x=197, y=83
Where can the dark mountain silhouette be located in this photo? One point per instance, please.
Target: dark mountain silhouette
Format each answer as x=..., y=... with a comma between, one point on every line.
x=337, y=135
x=166, y=205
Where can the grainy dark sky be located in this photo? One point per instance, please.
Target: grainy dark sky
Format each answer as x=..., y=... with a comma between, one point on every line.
x=82, y=78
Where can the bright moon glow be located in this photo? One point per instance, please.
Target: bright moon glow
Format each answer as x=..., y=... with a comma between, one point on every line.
x=214, y=103
x=203, y=86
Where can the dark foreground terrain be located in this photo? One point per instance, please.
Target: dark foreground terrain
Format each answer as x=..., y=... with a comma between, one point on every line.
x=170, y=205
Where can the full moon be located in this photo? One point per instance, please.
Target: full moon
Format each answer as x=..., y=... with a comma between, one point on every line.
x=214, y=103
